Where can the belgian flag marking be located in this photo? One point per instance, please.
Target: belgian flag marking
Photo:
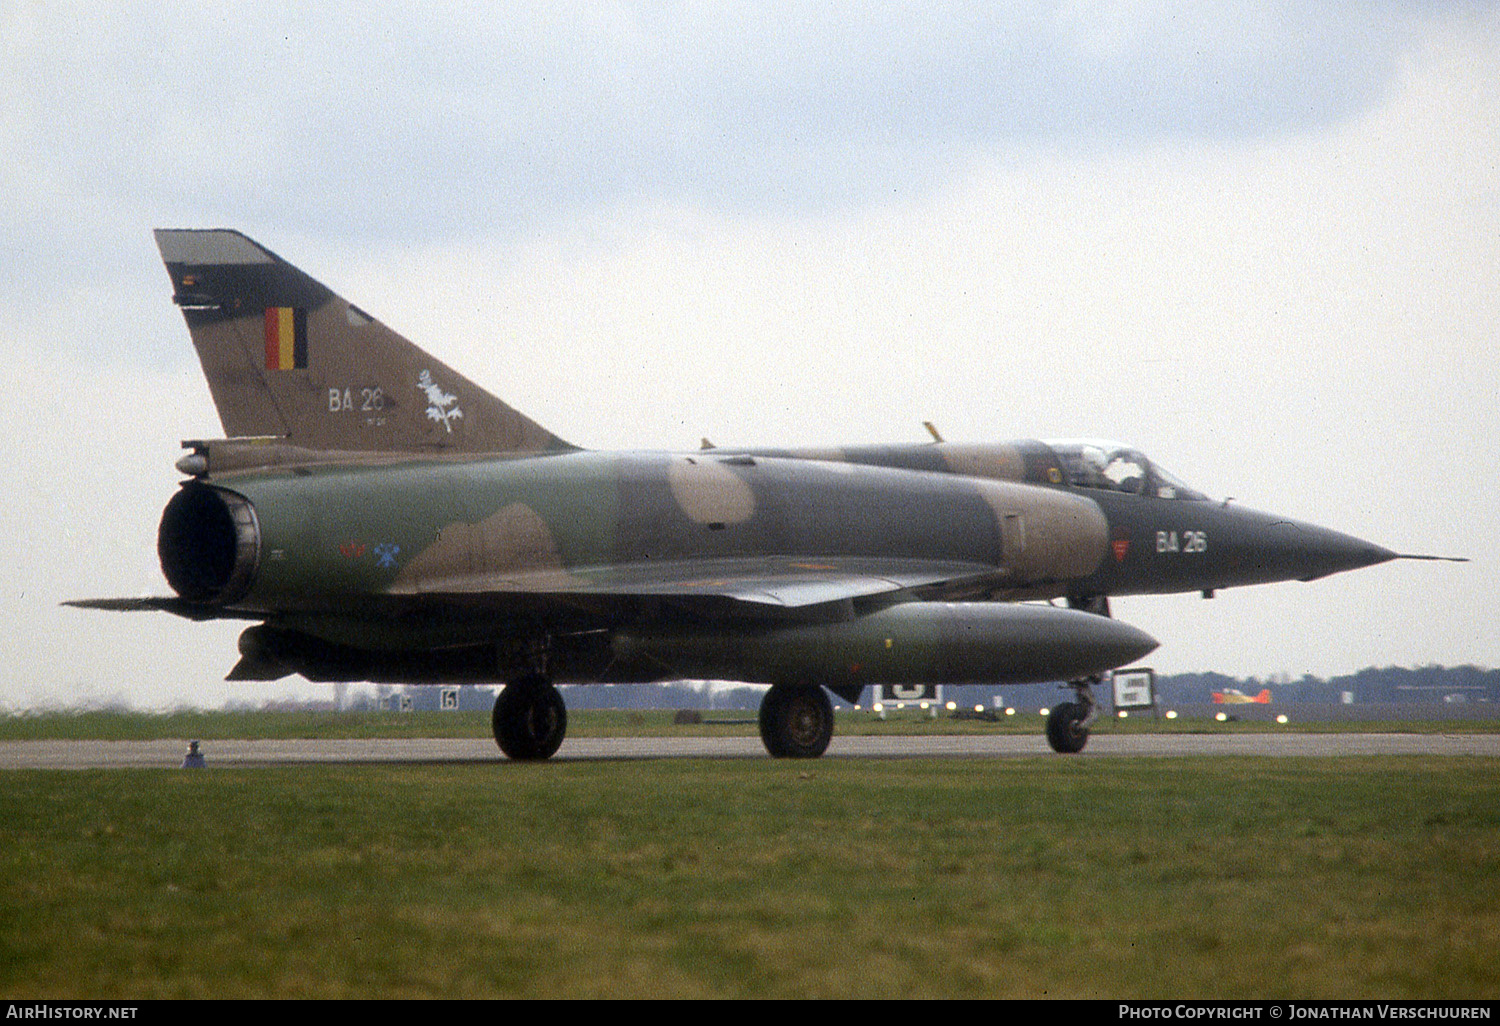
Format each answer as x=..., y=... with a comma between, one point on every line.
x=286, y=338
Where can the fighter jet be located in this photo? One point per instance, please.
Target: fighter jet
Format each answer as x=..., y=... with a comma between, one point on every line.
x=375, y=516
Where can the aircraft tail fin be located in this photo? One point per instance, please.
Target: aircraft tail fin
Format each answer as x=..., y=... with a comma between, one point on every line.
x=284, y=356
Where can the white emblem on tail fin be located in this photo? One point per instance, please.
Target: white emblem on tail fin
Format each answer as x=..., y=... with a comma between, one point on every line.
x=438, y=401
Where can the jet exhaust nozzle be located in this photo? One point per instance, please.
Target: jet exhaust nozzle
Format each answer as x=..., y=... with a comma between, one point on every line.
x=209, y=544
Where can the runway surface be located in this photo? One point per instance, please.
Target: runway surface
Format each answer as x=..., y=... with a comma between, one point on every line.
x=169, y=753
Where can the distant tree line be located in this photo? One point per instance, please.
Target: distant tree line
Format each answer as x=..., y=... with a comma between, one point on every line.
x=1436, y=684
x=1389, y=684
x=1392, y=684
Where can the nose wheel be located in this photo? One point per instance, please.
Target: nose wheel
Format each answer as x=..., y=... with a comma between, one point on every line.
x=1068, y=723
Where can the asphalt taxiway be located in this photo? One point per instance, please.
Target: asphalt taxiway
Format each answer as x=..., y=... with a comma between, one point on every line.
x=169, y=753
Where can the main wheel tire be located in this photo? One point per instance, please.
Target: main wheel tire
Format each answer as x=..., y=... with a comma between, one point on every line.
x=796, y=721
x=1065, y=730
x=529, y=719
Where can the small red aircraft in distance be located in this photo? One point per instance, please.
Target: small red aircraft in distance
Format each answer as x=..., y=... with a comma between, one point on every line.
x=1233, y=696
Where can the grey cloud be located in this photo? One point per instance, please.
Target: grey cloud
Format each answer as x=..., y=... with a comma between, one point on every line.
x=435, y=120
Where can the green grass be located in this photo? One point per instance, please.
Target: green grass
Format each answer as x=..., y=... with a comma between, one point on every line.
x=129, y=726
x=1236, y=877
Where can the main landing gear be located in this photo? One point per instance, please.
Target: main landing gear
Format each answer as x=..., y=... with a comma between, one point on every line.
x=529, y=718
x=1068, y=723
x=796, y=721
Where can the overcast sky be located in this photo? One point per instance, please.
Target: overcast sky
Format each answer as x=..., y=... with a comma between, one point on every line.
x=1260, y=241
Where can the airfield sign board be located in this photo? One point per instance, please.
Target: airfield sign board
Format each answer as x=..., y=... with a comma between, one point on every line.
x=913, y=693
x=1134, y=689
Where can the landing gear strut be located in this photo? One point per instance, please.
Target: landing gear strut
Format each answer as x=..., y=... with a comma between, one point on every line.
x=1068, y=723
x=796, y=721
x=530, y=718
x=1096, y=604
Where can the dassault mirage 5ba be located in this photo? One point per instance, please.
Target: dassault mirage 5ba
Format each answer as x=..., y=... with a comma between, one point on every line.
x=376, y=516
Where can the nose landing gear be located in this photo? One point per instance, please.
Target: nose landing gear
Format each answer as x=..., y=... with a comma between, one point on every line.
x=1068, y=723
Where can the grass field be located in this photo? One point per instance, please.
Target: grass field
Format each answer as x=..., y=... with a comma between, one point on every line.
x=1169, y=878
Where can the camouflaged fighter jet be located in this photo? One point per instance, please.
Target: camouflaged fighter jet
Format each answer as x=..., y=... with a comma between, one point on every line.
x=379, y=517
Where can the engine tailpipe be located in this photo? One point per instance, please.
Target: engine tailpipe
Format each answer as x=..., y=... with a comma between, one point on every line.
x=209, y=544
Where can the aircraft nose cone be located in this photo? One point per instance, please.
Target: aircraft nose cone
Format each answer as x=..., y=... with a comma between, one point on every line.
x=1320, y=552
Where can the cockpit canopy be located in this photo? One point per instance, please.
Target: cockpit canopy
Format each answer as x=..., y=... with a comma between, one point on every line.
x=1110, y=466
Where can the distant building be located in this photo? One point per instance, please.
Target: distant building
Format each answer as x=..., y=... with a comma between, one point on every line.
x=450, y=698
